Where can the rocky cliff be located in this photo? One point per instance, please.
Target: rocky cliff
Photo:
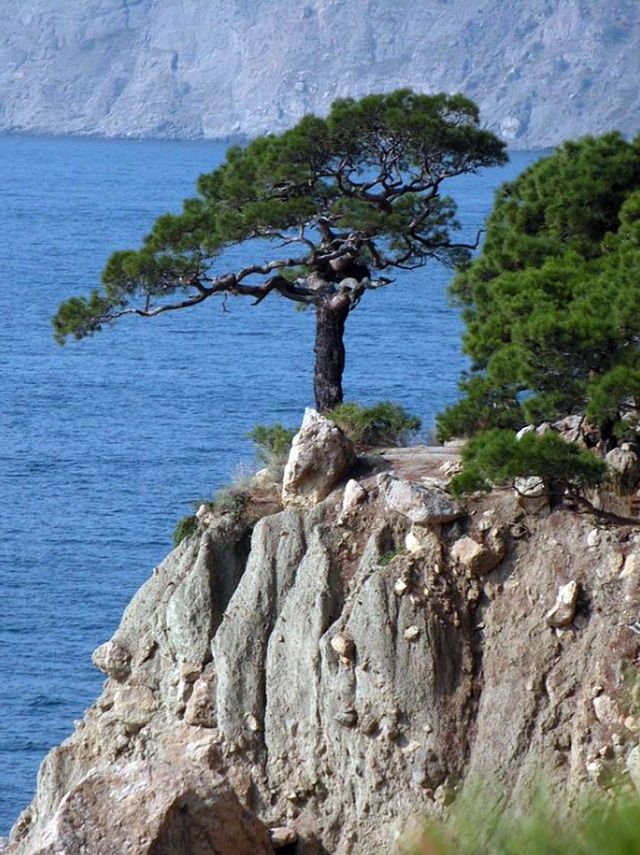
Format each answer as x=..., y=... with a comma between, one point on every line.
x=541, y=70
x=340, y=667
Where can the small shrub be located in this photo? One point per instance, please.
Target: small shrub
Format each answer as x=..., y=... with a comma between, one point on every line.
x=497, y=457
x=226, y=500
x=387, y=557
x=229, y=500
x=184, y=528
x=384, y=423
x=272, y=443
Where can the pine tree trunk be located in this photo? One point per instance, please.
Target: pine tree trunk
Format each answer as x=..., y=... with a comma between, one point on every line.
x=331, y=316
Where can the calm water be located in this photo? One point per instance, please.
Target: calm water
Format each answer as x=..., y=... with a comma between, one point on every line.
x=104, y=443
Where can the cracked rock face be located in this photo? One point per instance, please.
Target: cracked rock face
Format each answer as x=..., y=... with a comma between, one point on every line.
x=343, y=685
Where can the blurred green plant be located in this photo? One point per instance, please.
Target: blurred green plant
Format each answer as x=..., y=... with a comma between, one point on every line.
x=477, y=828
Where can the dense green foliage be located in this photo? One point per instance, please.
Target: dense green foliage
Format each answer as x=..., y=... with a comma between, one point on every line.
x=603, y=828
x=374, y=166
x=496, y=457
x=551, y=302
x=384, y=423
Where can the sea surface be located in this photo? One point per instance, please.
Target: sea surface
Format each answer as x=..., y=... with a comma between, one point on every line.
x=104, y=443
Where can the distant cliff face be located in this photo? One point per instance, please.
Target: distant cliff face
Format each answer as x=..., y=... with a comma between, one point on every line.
x=541, y=70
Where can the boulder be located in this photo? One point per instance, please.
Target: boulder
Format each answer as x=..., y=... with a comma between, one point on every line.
x=282, y=836
x=625, y=463
x=530, y=487
x=569, y=427
x=606, y=710
x=532, y=492
x=354, y=495
x=422, y=505
x=321, y=455
x=344, y=647
x=156, y=809
x=564, y=609
x=480, y=557
x=423, y=542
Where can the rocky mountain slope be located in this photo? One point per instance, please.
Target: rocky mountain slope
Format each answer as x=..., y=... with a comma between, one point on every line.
x=339, y=668
x=541, y=70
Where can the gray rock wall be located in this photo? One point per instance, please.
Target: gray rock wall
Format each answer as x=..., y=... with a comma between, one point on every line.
x=352, y=670
x=541, y=70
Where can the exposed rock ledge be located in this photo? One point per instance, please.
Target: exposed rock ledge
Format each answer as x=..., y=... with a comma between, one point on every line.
x=344, y=670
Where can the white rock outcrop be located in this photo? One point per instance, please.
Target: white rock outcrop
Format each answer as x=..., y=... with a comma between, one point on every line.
x=354, y=495
x=321, y=455
x=564, y=609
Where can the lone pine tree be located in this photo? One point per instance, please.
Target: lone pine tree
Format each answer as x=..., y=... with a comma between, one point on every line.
x=340, y=201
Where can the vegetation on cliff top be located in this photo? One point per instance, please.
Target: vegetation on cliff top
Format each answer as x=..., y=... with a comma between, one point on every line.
x=552, y=325
x=603, y=828
x=499, y=457
x=550, y=303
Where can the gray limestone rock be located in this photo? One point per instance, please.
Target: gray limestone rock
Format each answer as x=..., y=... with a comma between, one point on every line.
x=422, y=505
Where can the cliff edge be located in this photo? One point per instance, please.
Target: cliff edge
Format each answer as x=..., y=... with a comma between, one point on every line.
x=336, y=669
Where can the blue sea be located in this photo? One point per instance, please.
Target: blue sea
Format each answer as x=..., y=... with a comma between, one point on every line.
x=104, y=443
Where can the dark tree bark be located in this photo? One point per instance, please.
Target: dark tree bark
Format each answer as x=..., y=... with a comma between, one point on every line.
x=331, y=316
